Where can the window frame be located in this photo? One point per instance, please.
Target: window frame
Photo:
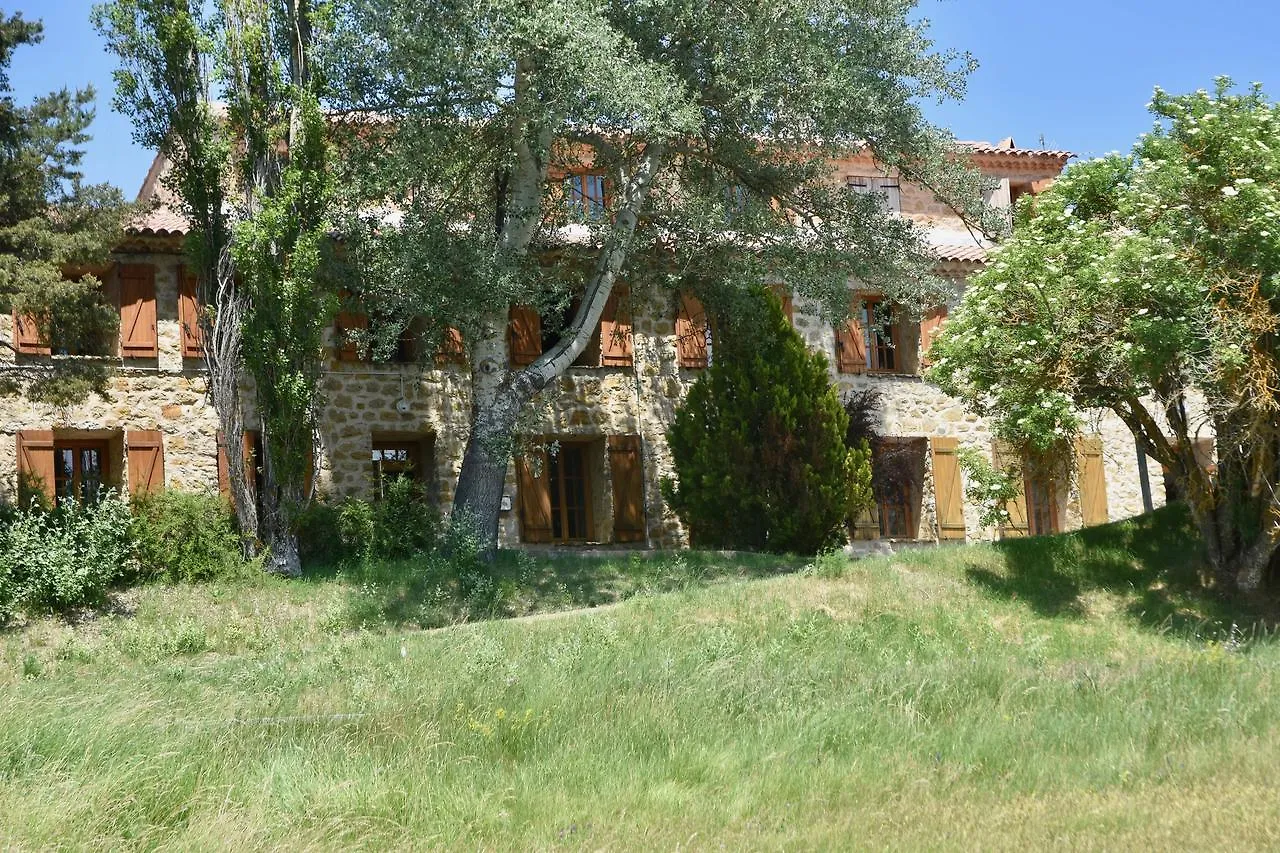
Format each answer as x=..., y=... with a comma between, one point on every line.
x=77, y=447
x=587, y=194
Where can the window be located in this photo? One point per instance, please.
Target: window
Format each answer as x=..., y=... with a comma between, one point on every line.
x=1042, y=504
x=569, y=483
x=898, y=483
x=393, y=460
x=888, y=188
x=586, y=194
x=881, y=335
x=79, y=470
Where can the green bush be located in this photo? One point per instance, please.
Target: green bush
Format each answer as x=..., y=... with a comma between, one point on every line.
x=186, y=537
x=758, y=444
x=402, y=524
x=64, y=558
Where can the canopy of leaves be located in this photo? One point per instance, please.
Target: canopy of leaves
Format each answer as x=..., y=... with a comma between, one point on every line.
x=759, y=445
x=56, y=234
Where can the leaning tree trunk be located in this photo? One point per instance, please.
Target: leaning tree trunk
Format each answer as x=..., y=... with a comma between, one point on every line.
x=1235, y=512
x=500, y=395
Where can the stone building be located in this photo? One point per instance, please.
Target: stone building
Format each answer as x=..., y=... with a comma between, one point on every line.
x=605, y=418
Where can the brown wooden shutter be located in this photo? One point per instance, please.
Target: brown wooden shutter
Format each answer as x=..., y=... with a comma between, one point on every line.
x=451, y=349
x=866, y=524
x=146, y=460
x=535, y=497
x=1093, y=481
x=35, y=465
x=348, y=321
x=691, y=332
x=947, y=489
x=851, y=342
x=138, y=311
x=189, y=313
x=524, y=335
x=26, y=336
x=784, y=296
x=930, y=325
x=1017, y=526
x=615, y=329
x=628, y=488
x=224, y=473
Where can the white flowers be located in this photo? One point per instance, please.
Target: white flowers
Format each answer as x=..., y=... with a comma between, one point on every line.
x=1142, y=312
x=1001, y=287
x=1243, y=181
x=1230, y=191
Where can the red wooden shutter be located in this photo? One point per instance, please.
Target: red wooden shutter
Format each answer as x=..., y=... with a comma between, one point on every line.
x=784, y=296
x=628, y=488
x=534, y=496
x=146, y=460
x=851, y=342
x=1093, y=481
x=347, y=321
x=138, y=311
x=26, y=336
x=189, y=314
x=35, y=465
x=524, y=335
x=691, y=332
x=451, y=350
x=948, y=492
x=930, y=325
x=615, y=329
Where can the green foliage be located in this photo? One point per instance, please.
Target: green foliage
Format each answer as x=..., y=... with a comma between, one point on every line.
x=187, y=537
x=759, y=444
x=50, y=221
x=402, y=524
x=65, y=558
x=988, y=487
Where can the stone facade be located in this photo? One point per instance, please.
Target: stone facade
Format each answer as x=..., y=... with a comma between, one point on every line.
x=365, y=403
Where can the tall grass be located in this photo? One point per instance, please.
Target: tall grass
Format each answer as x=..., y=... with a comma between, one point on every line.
x=1067, y=692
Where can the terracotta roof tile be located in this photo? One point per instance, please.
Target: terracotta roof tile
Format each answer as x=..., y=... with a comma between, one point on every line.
x=954, y=253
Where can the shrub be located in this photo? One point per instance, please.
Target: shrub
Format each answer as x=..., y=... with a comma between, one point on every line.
x=67, y=557
x=186, y=537
x=402, y=524
x=759, y=444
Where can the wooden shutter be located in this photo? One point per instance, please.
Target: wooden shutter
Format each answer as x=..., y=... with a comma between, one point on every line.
x=628, y=488
x=534, y=496
x=189, y=314
x=248, y=452
x=524, y=335
x=866, y=524
x=224, y=474
x=451, y=349
x=948, y=492
x=851, y=342
x=691, y=332
x=1017, y=525
x=35, y=464
x=615, y=329
x=930, y=325
x=26, y=336
x=146, y=460
x=1093, y=481
x=347, y=321
x=138, y=311
x=784, y=296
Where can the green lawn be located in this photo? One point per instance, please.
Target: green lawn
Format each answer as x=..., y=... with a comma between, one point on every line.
x=1071, y=692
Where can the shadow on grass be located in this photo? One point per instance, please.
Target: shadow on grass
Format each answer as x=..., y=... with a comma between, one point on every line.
x=1153, y=561
x=430, y=591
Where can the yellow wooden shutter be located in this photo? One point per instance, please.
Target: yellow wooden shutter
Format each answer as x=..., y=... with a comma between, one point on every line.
x=35, y=465
x=1093, y=481
x=146, y=460
x=1017, y=526
x=534, y=497
x=628, y=488
x=947, y=489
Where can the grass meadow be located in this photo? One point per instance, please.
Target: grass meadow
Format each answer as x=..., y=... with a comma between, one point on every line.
x=1075, y=691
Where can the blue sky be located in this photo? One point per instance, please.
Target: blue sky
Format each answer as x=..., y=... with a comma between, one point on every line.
x=1077, y=75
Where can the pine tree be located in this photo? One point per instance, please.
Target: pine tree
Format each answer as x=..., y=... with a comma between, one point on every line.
x=56, y=235
x=758, y=444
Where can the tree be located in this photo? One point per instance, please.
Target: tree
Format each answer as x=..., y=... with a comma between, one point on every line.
x=56, y=236
x=250, y=172
x=708, y=150
x=759, y=444
x=1148, y=285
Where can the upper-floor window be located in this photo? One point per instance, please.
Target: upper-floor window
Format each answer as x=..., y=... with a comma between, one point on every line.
x=586, y=194
x=881, y=335
x=887, y=188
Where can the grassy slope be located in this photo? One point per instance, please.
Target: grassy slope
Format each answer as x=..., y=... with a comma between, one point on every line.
x=1069, y=691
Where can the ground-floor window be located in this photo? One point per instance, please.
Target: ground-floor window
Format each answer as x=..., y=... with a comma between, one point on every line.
x=79, y=469
x=898, y=482
x=1042, y=505
x=569, y=482
x=393, y=460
